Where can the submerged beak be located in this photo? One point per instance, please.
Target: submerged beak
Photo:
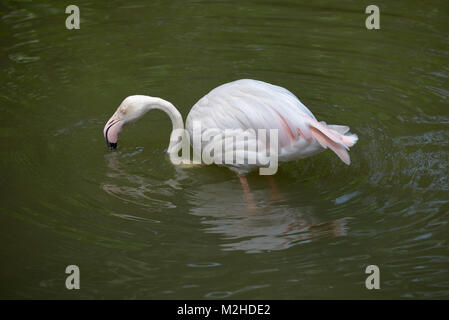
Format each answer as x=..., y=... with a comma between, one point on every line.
x=111, y=146
x=112, y=130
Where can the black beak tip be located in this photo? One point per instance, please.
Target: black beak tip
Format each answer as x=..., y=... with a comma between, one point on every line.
x=112, y=146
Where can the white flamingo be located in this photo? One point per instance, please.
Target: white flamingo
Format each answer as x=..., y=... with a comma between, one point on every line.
x=242, y=105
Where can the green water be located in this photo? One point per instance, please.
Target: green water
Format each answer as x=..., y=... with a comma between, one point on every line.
x=138, y=227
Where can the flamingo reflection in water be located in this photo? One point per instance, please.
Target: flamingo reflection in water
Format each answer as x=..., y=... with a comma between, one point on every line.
x=274, y=225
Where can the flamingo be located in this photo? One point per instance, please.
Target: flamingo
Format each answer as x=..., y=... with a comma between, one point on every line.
x=244, y=105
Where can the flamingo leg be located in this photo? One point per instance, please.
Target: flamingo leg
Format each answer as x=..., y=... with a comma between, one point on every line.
x=247, y=192
x=274, y=189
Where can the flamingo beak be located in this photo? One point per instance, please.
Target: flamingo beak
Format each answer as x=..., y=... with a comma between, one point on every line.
x=112, y=130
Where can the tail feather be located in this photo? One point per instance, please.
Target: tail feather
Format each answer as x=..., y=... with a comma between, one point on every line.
x=338, y=128
x=334, y=138
x=350, y=140
x=325, y=142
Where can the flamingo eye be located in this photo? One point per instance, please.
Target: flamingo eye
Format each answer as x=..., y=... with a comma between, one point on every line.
x=123, y=110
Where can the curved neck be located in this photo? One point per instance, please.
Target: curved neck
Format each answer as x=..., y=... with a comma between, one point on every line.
x=168, y=108
x=171, y=111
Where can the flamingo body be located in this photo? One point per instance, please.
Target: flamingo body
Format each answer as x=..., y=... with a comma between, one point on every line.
x=251, y=104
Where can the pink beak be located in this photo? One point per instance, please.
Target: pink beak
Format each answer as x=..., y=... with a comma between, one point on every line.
x=112, y=130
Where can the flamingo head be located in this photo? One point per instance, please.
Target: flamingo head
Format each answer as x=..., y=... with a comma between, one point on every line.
x=131, y=109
